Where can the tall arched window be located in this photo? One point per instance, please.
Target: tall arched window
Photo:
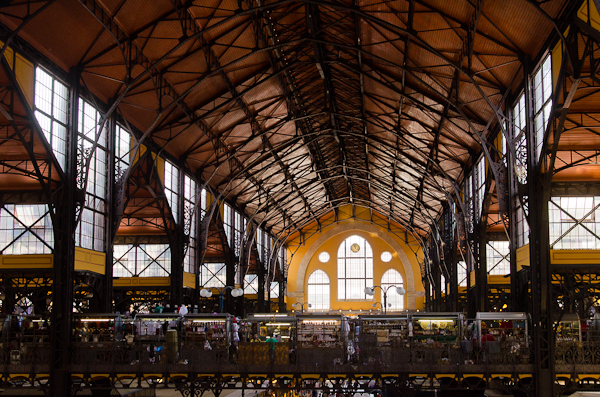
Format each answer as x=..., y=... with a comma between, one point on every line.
x=355, y=268
x=392, y=277
x=318, y=291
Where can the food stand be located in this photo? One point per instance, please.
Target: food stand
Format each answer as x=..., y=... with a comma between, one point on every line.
x=569, y=330
x=263, y=325
x=94, y=328
x=503, y=326
x=321, y=341
x=324, y=331
x=436, y=337
x=281, y=326
x=383, y=330
x=25, y=339
x=432, y=327
x=384, y=339
x=201, y=328
x=154, y=326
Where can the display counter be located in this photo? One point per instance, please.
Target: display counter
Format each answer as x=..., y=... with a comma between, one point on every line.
x=263, y=325
x=503, y=327
x=430, y=328
x=154, y=326
x=323, y=331
x=383, y=330
x=94, y=328
x=201, y=328
x=568, y=330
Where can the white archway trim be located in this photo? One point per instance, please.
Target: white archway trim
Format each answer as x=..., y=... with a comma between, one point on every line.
x=409, y=283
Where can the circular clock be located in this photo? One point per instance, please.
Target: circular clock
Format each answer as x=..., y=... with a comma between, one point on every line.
x=355, y=247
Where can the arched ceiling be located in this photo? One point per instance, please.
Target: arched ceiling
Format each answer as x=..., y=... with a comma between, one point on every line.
x=291, y=108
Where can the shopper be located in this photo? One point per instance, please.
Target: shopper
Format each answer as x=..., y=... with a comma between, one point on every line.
x=271, y=341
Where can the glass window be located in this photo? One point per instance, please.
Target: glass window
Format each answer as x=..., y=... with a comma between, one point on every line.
x=324, y=257
x=143, y=260
x=542, y=101
x=51, y=104
x=259, y=243
x=574, y=222
x=480, y=186
x=468, y=190
x=228, y=223
x=498, y=257
x=386, y=256
x=355, y=268
x=203, y=203
x=274, y=289
x=318, y=290
x=172, y=188
x=461, y=273
x=282, y=257
x=239, y=225
x=190, y=216
x=520, y=124
x=391, y=279
x=443, y=286
x=522, y=224
x=250, y=284
x=26, y=229
x=122, y=151
x=90, y=232
x=213, y=275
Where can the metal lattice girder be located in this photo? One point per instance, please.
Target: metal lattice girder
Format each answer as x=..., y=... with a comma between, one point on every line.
x=353, y=68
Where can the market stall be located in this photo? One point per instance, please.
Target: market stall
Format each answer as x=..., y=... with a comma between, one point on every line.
x=200, y=329
x=436, y=337
x=384, y=330
x=431, y=327
x=321, y=340
x=324, y=331
x=262, y=325
x=25, y=339
x=383, y=339
x=569, y=330
x=502, y=326
x=259, y=327
x=154, y=326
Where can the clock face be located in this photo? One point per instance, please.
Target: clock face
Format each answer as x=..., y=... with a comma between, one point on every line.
x=355, y=247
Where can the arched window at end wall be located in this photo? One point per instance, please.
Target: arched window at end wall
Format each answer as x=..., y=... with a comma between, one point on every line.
x=318, y=296
x=394, y=300
x=355, y=268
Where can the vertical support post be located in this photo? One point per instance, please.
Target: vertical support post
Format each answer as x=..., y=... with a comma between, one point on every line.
x=64, y=258
x=454, y=293
x=539, y=251
x=105, y=300
x=177, y=247
x=9, y=301
x=513, y=192
x=482, y=285
x=261, y=286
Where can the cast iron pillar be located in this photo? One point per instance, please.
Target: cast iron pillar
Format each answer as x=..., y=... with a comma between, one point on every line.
x=64, y=257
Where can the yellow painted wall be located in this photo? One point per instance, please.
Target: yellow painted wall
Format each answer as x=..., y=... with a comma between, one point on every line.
x=189, y=280
x=91, y=261
x=18, y=262
x=24, y=72
x=142, y=282
x=522, y=257
x=374, y=234
x=575, y=257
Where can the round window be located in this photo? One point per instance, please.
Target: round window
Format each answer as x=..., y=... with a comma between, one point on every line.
x=386, y=256
x=324, y=257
